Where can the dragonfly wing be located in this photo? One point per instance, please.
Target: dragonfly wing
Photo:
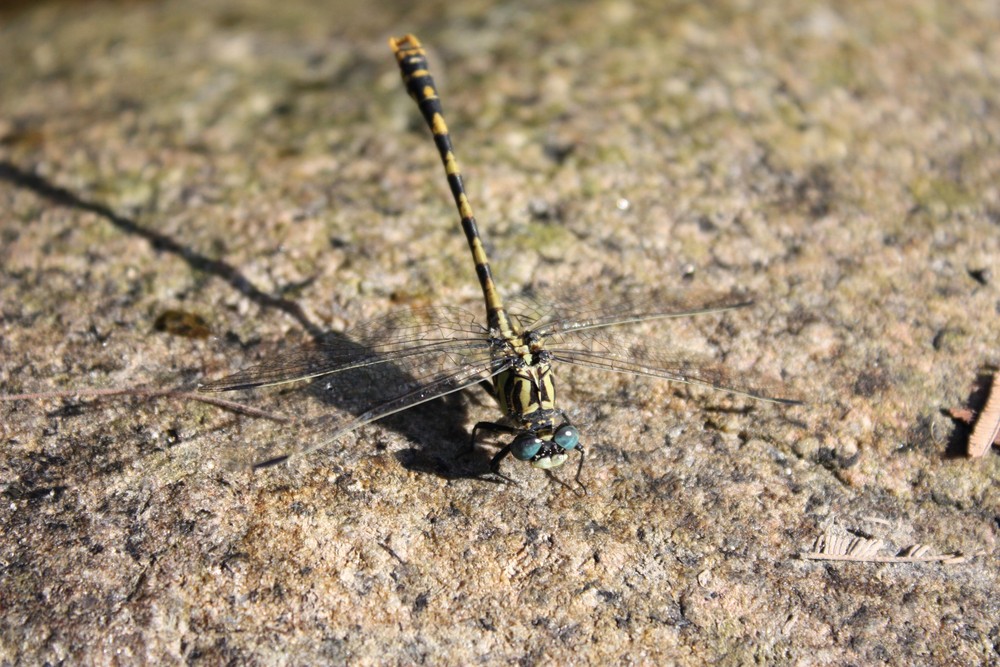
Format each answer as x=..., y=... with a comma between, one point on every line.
x=579, y=332
x=404, y=338
x=346, y=414
x=641, y=361
x=578, y=312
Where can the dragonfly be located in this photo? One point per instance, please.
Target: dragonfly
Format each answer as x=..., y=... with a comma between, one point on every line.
x=417, y=355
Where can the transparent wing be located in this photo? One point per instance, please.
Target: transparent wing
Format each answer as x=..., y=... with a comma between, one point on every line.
x=581, y=330
x=406, y=338
x=577, y=312
x=322, y=431
x=375, y=369
x=676, y=369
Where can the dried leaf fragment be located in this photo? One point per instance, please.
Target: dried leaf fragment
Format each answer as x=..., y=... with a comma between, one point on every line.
x=843, y=546
x=987, y=430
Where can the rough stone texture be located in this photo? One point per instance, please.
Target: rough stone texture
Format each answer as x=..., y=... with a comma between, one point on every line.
x=244, y=160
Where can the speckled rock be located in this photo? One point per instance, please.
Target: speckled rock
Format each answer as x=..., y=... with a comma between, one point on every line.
x=259, y=165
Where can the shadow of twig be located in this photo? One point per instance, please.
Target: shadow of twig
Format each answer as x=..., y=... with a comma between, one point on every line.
x=159, y=241
x=428, y=426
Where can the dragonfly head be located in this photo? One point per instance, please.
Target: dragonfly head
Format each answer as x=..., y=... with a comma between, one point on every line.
x=546, y=453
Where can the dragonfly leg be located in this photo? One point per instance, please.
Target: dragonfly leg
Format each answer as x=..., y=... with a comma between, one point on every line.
x=490, y=426
x=497, y=460
x=580, y=490
x=499, y=456
x=579, y=469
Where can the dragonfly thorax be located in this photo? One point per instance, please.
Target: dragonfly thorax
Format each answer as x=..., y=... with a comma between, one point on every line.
x=526, y=387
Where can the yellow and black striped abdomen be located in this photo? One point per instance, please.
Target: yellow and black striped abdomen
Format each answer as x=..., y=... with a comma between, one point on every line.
x=420, y=85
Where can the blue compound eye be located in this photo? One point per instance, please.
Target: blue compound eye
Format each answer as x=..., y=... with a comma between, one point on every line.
x=525, y=446
x=567, y=437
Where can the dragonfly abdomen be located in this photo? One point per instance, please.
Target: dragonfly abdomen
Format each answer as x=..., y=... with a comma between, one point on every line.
x=416, y=75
